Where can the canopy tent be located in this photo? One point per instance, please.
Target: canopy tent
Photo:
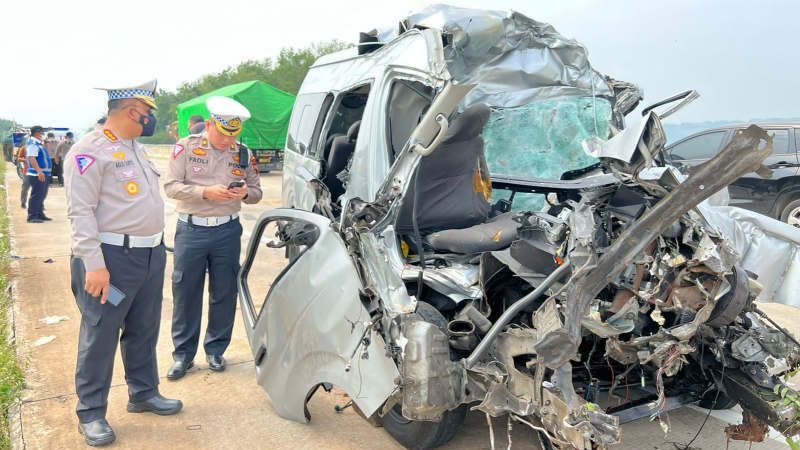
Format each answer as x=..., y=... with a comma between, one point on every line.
x=269, y=107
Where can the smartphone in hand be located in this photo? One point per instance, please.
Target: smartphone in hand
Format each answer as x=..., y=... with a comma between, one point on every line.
x=236, y=184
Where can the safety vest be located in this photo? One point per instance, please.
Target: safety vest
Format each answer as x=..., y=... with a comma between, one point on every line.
x=43, y=158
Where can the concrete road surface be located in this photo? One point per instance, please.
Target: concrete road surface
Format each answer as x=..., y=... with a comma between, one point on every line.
x=222, y=410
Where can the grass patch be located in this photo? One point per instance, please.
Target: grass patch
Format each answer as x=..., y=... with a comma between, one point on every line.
x=12, y=379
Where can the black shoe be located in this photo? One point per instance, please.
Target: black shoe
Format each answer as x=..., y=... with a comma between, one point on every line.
x=23, y=205
x=216, y=362
x=35, y=221
x=178, y=369
x=46, y=218
x=156, y=404
x=97, y=433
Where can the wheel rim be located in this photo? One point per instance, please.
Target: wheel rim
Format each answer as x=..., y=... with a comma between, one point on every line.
x=794, y=217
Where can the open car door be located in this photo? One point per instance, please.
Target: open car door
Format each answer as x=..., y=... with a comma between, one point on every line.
x=300, y=299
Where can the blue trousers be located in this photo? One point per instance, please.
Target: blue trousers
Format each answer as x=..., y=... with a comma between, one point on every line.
x=199, y=250
x=38, y=194
x=139, y=273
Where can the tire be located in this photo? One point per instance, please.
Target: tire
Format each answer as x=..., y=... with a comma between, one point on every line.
x=723, y=401
x=424, y=435
x=791, y=213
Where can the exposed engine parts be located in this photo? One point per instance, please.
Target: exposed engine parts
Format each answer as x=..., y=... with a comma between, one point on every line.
x=623, y=282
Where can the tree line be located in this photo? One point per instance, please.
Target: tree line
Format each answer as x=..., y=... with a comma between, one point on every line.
x=285, y=72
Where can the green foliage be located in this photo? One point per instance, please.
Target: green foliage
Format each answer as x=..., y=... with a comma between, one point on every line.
x=5, y=127
x=12, y=378
x=286, y=72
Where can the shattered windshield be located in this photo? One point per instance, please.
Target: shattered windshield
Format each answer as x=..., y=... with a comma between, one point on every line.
x=543, y=140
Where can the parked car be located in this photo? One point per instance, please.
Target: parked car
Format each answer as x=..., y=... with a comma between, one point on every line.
x=406, y=284
x=777, y=194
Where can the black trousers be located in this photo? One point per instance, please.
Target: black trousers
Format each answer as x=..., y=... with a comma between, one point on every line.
x=38, y=194
x=58, y=173
x=134, y=323
x=197, y=250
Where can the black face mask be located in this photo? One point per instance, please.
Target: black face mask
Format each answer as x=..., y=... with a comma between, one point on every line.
x=148, y=123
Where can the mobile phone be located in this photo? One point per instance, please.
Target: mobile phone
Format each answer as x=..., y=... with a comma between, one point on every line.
x=115, y=296
x=236, y=184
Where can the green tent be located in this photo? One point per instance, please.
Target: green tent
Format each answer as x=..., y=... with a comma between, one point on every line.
x=269, y=107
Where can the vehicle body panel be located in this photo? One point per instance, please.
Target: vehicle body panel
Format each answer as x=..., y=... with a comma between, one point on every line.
x=417, y=54
x=312, y=326
x=346, y=309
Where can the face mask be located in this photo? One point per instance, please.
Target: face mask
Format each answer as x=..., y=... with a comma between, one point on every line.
x=148, y=123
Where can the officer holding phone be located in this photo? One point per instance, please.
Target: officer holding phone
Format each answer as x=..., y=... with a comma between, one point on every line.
x=118, y=260
x=210, y=175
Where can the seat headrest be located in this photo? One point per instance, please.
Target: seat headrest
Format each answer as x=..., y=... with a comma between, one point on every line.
x=329, y=141
x=352, y=132
x=468, y=124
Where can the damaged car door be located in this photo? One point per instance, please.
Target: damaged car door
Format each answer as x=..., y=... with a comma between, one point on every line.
x=311, y=326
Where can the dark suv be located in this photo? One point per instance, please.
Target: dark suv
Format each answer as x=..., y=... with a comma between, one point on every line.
x=777, y=196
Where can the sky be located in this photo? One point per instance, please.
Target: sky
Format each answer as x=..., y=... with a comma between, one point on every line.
x=742, y=56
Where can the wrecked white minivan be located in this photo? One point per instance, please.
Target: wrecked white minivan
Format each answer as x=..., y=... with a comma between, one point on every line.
x=468, y=224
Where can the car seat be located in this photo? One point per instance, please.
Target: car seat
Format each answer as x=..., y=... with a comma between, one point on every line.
x=341, y=151
x=454, y=192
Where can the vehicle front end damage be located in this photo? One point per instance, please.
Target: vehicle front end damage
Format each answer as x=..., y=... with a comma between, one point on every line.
x=623, y=281
x=619, y=297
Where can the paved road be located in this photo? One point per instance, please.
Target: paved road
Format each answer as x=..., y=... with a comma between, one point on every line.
x=222, y=410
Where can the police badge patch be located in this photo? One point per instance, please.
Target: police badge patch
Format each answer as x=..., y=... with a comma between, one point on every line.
x=132, y=187
x=84, y=162
x=177, y=150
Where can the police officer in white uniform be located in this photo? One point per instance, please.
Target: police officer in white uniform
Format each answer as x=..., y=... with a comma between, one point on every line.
x=117, y=215
x=210, y=175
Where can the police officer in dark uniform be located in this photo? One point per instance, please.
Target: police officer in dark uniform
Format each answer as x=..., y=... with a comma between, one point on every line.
x=210, y=175
x=117, y=217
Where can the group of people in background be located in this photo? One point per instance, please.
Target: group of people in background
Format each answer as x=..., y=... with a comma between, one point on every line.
x=42, y=159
